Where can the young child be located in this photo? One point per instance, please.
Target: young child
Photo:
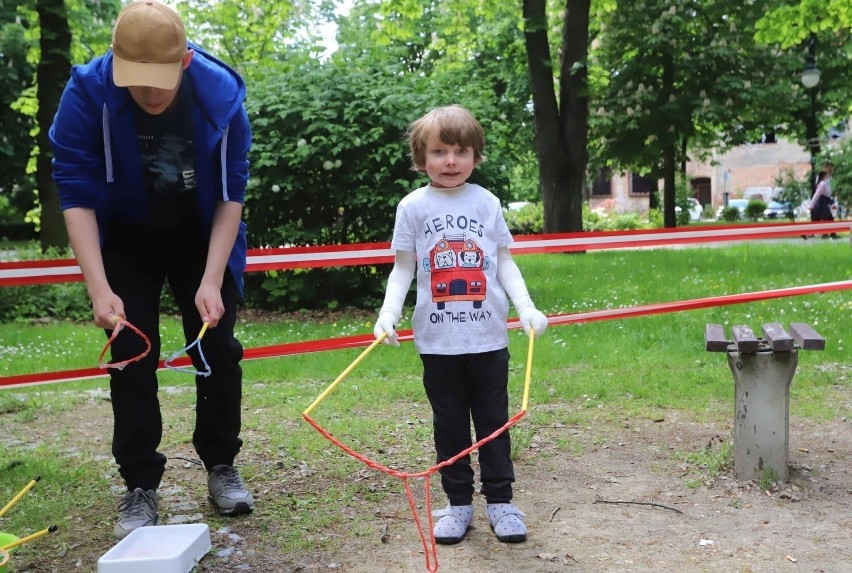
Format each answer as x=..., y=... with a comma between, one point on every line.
x=453, y=235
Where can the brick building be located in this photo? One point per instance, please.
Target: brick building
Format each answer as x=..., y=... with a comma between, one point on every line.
x=753, y=165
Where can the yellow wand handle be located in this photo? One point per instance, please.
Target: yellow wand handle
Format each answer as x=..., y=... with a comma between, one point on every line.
x=21, y=494
x=23, y=540
x=345, y=373
x=203, y=330
x=529, y=371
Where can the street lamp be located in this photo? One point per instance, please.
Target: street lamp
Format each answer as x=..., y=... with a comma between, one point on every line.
x=810, y=75
x=810, y=79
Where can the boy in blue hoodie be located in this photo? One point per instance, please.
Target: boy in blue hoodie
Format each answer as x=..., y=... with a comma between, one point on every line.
x=150, y=147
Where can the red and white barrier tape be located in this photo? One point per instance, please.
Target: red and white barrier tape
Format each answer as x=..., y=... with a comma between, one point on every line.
x=17, y=273
x=359, y=340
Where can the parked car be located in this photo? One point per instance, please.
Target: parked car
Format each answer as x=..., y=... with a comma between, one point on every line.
x=765, y=194
x=695, y=209
x=778, y=210
x=740, y=205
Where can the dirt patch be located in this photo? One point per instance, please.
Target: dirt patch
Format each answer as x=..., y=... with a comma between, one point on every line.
x=614, y=495
x=666, y=525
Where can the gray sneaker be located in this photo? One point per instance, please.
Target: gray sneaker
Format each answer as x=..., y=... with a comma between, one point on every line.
x=138, y=508
x=227, y=491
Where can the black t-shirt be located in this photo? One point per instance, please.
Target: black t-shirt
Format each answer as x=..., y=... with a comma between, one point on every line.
x=167, y=146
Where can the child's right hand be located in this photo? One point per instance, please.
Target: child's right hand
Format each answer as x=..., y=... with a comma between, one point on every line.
x=533, y=319
x=385, y=325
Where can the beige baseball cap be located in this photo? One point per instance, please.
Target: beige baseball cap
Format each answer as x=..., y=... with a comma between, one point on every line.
x=148, y=44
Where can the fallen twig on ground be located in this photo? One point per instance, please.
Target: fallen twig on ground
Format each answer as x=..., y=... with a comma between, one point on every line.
x=599, y=500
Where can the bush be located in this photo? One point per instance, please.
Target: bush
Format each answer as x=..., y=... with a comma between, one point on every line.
x=527, y=220
x=330, y=164
x=754, y=210
x=793, y=190
x=730, y=214
x=60, y=301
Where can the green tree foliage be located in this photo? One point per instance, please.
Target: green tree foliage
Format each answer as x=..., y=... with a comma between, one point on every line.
x=252, y=35
x=664, y=77
x=793, y=190
x=475, y=48
x=675, y=76
x=329, y=162
x=791, y=23
x=16, y=76
x=57, y=33
x=329, y=165
x=841, y=179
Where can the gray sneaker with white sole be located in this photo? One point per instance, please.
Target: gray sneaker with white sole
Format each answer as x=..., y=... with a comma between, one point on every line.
x=227, y=491
x=138, y=508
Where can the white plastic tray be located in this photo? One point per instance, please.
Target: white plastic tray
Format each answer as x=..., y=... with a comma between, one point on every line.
x=158, y=548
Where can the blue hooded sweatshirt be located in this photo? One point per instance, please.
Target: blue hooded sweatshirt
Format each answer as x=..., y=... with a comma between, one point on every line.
x=96, y=159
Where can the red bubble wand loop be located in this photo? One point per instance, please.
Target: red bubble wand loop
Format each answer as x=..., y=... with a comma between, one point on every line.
x=120, y=323
x=168, y=363
x=430, y=549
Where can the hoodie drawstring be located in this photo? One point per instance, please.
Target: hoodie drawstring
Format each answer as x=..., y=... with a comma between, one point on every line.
x=107, y=145
x=223, y=159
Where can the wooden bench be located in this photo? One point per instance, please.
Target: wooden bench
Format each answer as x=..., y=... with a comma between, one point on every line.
x=776, y=338
x=763, y=369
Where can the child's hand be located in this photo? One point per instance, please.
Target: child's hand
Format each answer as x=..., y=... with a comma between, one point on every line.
x=532, y=318
x=385, y=325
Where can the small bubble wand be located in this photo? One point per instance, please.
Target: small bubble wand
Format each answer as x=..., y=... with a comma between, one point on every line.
x=189, y=369
x=120, y=323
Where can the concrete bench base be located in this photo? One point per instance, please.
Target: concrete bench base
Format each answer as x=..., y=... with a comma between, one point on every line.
x=763, y=370
x=762, y=412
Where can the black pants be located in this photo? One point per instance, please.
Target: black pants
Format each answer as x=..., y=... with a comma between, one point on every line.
x=461, y=387
x=138, y=262
x=822, y=210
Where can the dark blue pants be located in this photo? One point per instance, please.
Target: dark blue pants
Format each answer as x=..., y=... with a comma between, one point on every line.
x=464, y=387
x=138, y=262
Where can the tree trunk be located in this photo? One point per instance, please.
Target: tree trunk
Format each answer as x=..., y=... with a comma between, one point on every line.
x=669, y=151
x=812, y=134
x=52, y=74
x=561, y=129
x=574, y=90
x=669, y=168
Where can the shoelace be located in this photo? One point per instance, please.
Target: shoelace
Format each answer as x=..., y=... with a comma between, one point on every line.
x=136, y=503
x=231, y=481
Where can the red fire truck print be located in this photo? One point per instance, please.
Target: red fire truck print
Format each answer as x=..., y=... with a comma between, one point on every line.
x=456, y=264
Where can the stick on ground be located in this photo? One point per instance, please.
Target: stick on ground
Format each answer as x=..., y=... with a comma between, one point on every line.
x=599, y=500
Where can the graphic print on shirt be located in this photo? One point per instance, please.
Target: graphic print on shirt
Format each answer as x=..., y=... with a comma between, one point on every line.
x=456, y=266
x=167, y=148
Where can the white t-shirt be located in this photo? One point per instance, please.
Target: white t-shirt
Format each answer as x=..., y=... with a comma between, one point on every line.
x=455, y=234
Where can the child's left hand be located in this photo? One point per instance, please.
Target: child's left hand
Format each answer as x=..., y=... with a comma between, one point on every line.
x=532, y=318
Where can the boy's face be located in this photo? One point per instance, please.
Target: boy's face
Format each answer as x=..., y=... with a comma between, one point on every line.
x=155, y=101
x=448, y=165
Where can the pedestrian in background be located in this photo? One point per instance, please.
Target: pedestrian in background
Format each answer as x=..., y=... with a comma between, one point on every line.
x=821, y=201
